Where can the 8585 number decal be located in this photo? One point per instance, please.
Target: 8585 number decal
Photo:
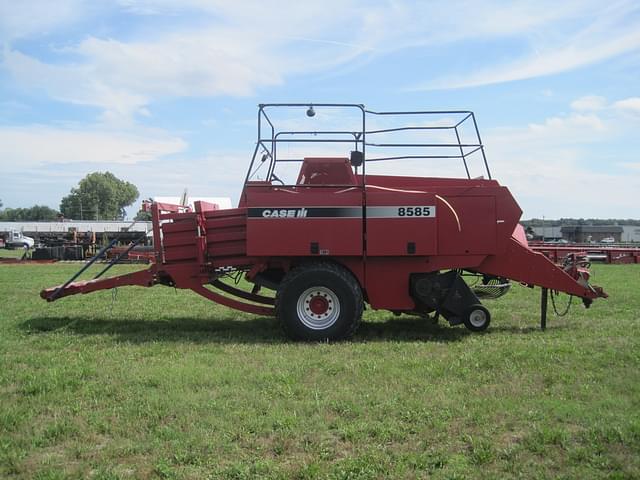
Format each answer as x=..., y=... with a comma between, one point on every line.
x=415, y=211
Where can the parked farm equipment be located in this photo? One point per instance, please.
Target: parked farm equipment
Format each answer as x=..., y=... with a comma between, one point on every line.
x=337, y=237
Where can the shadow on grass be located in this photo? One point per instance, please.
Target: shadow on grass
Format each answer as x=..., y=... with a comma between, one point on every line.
x=226, y=330
x=512, y=329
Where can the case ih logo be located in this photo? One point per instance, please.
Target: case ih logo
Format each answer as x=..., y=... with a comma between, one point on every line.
x=284, y=213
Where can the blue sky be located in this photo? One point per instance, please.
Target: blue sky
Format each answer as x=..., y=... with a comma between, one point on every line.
x=163, y=93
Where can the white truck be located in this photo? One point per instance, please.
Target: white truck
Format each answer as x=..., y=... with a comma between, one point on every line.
x=15, y=239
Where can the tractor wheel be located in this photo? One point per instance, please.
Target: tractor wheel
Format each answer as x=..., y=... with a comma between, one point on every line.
x=319, y=302
x=477, y=318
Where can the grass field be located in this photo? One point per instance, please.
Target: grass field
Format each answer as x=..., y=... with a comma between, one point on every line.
x=158, y=383
x=11, y=253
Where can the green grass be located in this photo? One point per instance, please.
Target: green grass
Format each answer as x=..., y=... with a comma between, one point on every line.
x=159, y=383
x=11, y=252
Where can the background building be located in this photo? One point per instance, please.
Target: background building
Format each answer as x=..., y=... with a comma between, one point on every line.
x=581, y=233
x=591, y=233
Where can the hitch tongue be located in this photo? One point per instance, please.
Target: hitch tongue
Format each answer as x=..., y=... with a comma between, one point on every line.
x=577, y=265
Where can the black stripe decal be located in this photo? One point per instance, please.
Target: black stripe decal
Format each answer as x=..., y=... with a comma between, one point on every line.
x=411, y=211
x=306, y=212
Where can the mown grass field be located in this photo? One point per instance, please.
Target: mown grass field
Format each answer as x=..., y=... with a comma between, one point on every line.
x=158, y=383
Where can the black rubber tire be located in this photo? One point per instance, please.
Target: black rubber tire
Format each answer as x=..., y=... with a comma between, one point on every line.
x=324, y=275
x=477, y=318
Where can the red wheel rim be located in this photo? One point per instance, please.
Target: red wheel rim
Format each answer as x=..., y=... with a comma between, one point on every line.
x=319, y=305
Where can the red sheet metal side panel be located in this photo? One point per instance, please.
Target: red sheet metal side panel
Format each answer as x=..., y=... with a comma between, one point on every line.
x=433, y=183
x=508, y=215
x=467, y=225
x=227, y=249
x=201, y=206
x=180, y=238
x=473, y=216
x=277, y=225
x=404, y=219
x=180, y=225
x=227, y=235
x=294, y=237
x=226, y=232
x=221, y=223
x=180, y=254
x=387, y=278
x=225, y=213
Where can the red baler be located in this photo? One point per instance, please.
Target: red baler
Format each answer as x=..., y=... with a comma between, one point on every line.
x=336, y=237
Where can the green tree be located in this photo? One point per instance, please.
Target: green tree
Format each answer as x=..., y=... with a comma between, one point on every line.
x=35, y=213
x=99, y=196
x=143, y=216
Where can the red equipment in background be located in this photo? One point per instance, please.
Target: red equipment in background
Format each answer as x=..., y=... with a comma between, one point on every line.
x=594, y=252
x=337, y=237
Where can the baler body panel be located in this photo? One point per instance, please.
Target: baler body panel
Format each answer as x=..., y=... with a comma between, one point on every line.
x=303, y=220
x=225, y=233
x=401, y=223
x=476, y=231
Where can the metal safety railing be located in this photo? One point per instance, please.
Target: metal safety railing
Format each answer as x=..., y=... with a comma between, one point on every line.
x=403, y=139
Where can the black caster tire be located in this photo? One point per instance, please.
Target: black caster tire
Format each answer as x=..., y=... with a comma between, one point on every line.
x=477, y=318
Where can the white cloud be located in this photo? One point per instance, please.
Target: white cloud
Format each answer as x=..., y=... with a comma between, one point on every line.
x=399, y=24
x=631, y=104
x=556, y=169
x=554, y=132
x=79, y=84
x=26, y=18
x=632, y=166
x=238, y=47
x=40, y=164
x=593, y=103
x=39, y=146
x=225, y=57
x=218, y=175
x=610, y=31
x=218, y=47
x=589, y=103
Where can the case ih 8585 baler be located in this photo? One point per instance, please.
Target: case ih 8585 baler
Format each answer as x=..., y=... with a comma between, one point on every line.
x=338, y=236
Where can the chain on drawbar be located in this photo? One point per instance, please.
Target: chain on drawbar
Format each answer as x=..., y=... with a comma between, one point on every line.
x=114, y=296
x=555, y=294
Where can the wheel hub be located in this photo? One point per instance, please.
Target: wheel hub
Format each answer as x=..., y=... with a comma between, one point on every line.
x=318, y=308
x=477, y=318
x=318, y=305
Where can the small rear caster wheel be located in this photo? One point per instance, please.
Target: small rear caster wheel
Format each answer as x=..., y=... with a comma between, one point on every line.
x=477, y=318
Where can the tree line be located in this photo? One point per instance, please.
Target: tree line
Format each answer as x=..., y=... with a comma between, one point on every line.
x=98, y=196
